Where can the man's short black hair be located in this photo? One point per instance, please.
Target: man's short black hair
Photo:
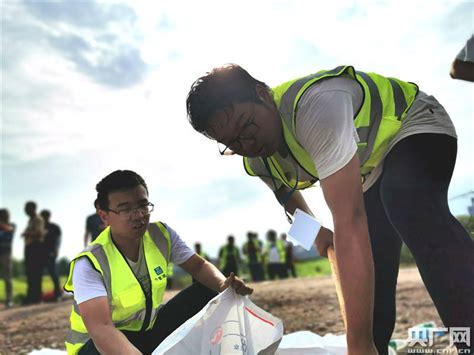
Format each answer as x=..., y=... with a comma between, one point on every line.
x=219, y=89
x=4, y=215
x=31, y=204
x=119, y=180
x=271, y=234
x=46, y=213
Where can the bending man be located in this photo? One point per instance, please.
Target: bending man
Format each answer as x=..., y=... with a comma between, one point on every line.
x=339, y=126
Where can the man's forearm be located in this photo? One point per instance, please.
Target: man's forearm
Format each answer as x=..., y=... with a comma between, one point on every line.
x=356, y=272
x=210, y=276
x=109, y=340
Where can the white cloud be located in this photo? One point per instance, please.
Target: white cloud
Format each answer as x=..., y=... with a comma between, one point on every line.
x=72, y=120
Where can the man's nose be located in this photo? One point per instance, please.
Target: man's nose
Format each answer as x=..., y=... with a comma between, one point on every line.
x=138, y=213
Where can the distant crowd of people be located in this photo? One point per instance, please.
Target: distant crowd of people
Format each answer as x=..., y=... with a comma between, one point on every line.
x=268, y=261
x=42, y=239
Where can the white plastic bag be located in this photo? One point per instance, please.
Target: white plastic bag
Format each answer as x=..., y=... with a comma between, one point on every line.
x=228, y=324
x=309, y=343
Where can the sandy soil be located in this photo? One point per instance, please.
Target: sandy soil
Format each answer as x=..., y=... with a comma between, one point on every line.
x=302, y=304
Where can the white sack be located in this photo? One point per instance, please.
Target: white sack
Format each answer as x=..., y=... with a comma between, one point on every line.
x=309, y=343
x=228, y=324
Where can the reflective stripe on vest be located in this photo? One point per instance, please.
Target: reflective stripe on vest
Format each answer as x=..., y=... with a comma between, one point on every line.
x=130, y=308
x=385, y=104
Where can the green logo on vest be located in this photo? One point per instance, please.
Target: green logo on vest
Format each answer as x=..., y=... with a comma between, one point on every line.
x=158, y=270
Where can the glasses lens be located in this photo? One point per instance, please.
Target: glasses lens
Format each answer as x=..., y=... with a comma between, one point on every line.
x=150, y=208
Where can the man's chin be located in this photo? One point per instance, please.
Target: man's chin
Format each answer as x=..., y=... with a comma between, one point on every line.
x=140, y=230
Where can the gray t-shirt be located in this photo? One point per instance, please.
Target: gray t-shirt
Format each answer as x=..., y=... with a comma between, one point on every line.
x=467, y=52
x=325, y=125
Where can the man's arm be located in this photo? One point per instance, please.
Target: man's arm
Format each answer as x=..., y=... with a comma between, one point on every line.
x=98, y=321
x=86, y=237
x=343, y=193
x=210, y=276
x=57, y=242
x=5, y=227
x=462, y=70
x=325, y=236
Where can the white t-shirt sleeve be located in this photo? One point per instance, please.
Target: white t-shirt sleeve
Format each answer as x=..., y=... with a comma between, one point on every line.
x=326, y=130
x=180, y=252
x=87, y=281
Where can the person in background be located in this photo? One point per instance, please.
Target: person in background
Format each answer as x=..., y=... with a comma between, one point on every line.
x=463, y=65
x=94, y=226
x=290, y=261
x=119, y=279
x=34, y=256
x=252, y=251
x=7, y=230
x=169, y=276
x=198, y=250
x=275, y=256
x=51, y=243
x=229, y=257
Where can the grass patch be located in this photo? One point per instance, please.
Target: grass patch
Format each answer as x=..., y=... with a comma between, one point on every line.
x=314, y=267
x=19, y=287
x=307, y=268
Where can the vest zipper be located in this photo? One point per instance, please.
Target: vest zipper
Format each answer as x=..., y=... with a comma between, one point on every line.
x=148, y=300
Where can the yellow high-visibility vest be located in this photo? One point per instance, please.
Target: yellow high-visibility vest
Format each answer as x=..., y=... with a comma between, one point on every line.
x=131, y=308
x=385, y=105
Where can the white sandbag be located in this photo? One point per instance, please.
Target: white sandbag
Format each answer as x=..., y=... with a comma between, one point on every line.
x=228, y=324
x=309, y=343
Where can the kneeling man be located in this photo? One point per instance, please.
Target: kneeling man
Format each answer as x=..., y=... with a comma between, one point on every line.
x=119, y=279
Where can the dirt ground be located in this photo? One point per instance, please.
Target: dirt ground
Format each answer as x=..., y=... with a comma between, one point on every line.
x=302, y=304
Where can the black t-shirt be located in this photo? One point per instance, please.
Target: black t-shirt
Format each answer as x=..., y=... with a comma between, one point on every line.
x=52, y=237
x=94, y=226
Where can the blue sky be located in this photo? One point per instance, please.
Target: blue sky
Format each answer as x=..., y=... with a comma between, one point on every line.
x=91, y=87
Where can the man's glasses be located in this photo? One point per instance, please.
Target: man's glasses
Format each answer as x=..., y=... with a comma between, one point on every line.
x=128, y=213
x=247, y=134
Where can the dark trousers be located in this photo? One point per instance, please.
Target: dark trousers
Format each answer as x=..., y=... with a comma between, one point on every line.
x=170, y=316
x=256, y=271
x=409, y=203
x=6, y=274
x=34, y=264
x=50, y=266
x=231, y=267
x=290, y=268
x=277, y=269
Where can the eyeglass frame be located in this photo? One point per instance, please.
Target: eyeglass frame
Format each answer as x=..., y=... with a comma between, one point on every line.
x=133, y=210
x=249, y=123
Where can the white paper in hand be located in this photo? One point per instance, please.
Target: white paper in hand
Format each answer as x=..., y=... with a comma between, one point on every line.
x=304, y=229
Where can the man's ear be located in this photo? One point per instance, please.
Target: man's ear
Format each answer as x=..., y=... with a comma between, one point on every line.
x=103, y=216
x=263, y=93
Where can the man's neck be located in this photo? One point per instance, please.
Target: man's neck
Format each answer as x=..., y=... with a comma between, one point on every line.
x=129, y=247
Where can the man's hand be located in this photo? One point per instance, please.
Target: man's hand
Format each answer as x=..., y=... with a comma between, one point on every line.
x=237, y=284
x=323, y=241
